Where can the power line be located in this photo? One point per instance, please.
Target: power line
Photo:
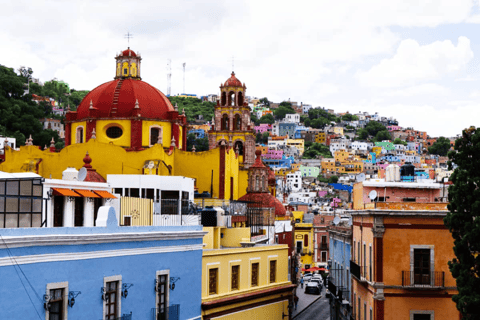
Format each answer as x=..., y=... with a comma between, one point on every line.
x=17, y=265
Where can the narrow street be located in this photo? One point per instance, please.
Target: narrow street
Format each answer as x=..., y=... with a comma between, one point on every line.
x=311, y=306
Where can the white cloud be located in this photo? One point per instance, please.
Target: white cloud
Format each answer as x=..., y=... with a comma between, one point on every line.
x=419, y=90
x=413, y=63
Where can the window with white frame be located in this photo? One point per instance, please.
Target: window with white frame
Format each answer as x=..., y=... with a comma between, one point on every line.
x=422, y=315
x=56, y=301
x=112, y=302
x=162, y=293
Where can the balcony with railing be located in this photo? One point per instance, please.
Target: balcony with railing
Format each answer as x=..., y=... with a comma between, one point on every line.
x=169, y=313
x=425, y=280
x=324, y=246
x=361, y=273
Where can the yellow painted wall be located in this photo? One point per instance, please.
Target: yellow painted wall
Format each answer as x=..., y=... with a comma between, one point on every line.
x=357, y=196
x=103, y=125
x=73, y=134
x=242, y=182
x=208, y=238
x=224, y=259
x=140, y=211
x=233, y=236
x=166, y=132
x=271, y=311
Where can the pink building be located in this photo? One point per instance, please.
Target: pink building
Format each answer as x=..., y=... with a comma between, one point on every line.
x=321, y=254
x=322, y=194
x=394, y=128
x=273, y=154
x=263, y=127
x=422, y=192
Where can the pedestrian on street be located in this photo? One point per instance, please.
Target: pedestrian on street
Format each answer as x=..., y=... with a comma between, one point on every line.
x=301, y=282
x=295, y=300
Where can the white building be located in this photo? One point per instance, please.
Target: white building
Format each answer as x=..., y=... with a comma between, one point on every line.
x=361, y=145
x=306, y=108
x=305, y=197
x=294, y=181
x=292, y=118
x=11, y=142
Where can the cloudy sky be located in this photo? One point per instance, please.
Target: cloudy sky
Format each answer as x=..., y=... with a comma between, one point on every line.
x=413, y=60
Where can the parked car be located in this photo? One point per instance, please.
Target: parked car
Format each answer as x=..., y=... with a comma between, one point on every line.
x=319, y=277
x=307, y=277
x=312, y=287
x=318, y=282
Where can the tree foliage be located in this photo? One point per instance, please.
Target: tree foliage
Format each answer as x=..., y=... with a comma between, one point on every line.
x=316, y=149
x=463, y=221
x=319, y=118
x=201, y=144
x=333, y=179
x=375, y=131
x=349, y=117
x=399, y=141
x=262, y=137
x=264, y=101
x=440, y=147
x=268, y=118
x=19, y=115
x=283, y=109
x=194, y=108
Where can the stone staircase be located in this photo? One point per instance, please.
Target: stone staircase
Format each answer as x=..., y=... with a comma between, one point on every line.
x=116, y=94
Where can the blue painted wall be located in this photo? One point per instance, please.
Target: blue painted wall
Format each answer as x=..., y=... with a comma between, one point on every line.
x=340, y=256
x=87, y=275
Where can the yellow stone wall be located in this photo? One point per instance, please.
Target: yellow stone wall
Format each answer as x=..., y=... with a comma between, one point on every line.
x=166, y=132
x=140, y=211
x=73, y=135
x=273, y=311
x=103, y=125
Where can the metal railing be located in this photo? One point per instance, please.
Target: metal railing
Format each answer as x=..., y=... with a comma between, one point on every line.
x=323, y=246
x=169, y=313
x=123, y=317
x=435, y=279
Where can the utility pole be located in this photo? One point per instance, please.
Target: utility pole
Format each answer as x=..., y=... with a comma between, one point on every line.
x=169, y=77
x=184, y=77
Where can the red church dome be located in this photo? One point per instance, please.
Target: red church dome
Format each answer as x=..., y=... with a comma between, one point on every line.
x=264, y=200
x=117, y=99
x=128, y=53
x=233, y=81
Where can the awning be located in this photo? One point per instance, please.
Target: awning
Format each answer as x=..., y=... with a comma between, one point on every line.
x=313, y=269
x=87, y=193
x=65, y=192
x=104, y=194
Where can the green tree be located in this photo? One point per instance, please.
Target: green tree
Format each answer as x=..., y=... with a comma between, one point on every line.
x=262, y=138
x=268, y=118
x=194, y=108
x=265, y=102
x=362, y=134
x=383, y=135
x=349, y=117
x=316, y=149
x=463, y=221
x=373, y=127
x=201, y=144
x=282, y=110
x=399, y=141
x=440, y=147
x=333, y=179
x=254, y=119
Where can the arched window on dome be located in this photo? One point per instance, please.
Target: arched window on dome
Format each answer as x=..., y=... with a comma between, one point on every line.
x=237, y=123
x=133, y=69
x=224, y=98
x=264, y=183
x=257, y=183
x=119, y=69
x=231, y=98
x=125, y=69
x=156, y=135
x=79, y=135
x=240, y=98
x=225, y=122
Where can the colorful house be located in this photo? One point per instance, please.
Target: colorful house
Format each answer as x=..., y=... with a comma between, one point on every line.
x=304, y=238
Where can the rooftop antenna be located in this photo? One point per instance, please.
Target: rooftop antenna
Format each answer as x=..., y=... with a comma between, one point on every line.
x=169, y=77
x=184, y=64
x=128, y=36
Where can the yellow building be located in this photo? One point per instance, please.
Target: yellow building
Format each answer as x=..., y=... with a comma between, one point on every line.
x=297, y=143
x=303, y=238
x=338, y=130
x=243, y=282
x=320, y=137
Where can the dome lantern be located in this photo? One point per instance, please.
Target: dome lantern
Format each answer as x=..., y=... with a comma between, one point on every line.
x=128, y=65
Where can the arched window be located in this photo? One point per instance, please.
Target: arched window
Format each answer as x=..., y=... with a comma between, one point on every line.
x=264, y=183
x=239, y=145
x=79, y=135
x=133, y=69
x=118, y=69
x=225, y=122
x=305, y=241
x=231, y=98
x=237, y=124
x=224, y=99
x=257, y=183
x=155, y=134
x=125, y=69
x=240, y=99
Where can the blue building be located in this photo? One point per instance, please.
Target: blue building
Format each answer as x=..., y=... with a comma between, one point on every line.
x=287, y=129
x=339, y=283
x=102, y=272
x=299, y=130
x=199, y=133
x=285, y=162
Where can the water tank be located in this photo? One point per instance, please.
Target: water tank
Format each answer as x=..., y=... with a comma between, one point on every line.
x=70, y=174
x=392, y=173
x=209, y=217
x=407, y=169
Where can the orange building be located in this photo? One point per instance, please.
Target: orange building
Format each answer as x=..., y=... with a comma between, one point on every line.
x=399, y=263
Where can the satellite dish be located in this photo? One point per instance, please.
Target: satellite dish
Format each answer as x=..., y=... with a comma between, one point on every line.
x=82, y=174
x=336, y=220
x=360, y=177
x=372, y=195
